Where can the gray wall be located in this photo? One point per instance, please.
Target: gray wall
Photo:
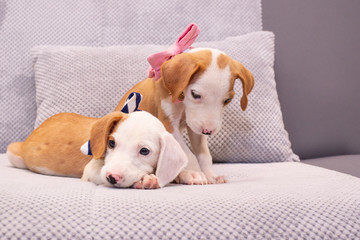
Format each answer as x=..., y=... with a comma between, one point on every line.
x=317, y=67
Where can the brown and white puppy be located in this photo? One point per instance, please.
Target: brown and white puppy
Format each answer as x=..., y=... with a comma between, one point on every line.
x=192, y=92
x=126, y=148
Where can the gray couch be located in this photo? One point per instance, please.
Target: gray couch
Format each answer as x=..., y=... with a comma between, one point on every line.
x=317, y=58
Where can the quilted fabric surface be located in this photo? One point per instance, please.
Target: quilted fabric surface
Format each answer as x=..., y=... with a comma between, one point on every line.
x=91, y=81
x=261, y=201
x=25, y=24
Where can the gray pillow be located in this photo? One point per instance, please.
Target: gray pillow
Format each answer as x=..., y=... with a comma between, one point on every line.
x=91, y=81
x=24, y=24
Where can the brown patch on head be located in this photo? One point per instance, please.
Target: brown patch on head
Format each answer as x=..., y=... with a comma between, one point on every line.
x=223, y=60
x=101, y=130
x=179, y=71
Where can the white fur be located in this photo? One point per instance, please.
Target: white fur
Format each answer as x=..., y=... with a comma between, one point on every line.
x=46, y=171
x=200, y=114
x=18, y=162
x=139, y=130
x=15, y=160
x=213, y=86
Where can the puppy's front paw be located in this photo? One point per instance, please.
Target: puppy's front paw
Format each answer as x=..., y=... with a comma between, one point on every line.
x=92, y=171
x=191, y=178
x=216, y=179
x=147, y=182
x=86, y=176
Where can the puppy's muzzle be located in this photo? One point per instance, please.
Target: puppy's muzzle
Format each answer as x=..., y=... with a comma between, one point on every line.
x=113, y=178
x=207, y=132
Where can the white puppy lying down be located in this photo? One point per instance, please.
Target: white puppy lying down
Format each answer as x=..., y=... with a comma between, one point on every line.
x=136, y=147
x=126, y=150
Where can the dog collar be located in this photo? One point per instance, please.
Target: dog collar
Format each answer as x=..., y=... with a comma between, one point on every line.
x=131, y=105
x=181, y=44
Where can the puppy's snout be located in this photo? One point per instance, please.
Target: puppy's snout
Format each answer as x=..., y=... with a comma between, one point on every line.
x=114, y=178
x=210, y=127
x=207, y=131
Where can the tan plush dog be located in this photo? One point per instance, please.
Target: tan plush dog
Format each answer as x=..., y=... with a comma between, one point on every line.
x=191, y=94
x=126, y=149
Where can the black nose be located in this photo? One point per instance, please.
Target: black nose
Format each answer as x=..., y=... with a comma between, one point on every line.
x=111, y=179
x=206, y=133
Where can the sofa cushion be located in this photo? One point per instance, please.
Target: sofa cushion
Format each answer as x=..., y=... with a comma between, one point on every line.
x=261, y=201
x=91, y=81
x=349, y=164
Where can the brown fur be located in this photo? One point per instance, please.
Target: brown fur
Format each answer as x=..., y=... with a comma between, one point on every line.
x=223, y=61
x=55, y=144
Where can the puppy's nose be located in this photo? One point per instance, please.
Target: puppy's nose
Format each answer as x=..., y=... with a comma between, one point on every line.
x=207, y=131
x=113, y=178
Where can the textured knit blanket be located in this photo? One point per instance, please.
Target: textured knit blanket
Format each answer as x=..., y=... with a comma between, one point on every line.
x=261, y=201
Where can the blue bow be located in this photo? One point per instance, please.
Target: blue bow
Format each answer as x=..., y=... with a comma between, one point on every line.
x=131, y=105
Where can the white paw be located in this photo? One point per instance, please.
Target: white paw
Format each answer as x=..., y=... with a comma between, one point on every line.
x=88, y=178
x=191, y=178
x=92, y=171
x=216, y=179
x=147, y=182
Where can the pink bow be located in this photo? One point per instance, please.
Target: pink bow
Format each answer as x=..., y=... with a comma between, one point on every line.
x=182, y=43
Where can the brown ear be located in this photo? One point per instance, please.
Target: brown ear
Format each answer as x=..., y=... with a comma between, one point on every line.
x=100, y=132
x=247, y=80
x=177, y=72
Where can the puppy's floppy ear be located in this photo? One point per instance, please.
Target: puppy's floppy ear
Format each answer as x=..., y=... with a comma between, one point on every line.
x=100, y=132
x=172, y=159
x=177, y=72
x=247, y=79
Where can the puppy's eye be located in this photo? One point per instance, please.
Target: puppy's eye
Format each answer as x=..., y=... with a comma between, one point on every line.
x=144, y=151
x=111, y=143
x=227, y=101
x=195, y=94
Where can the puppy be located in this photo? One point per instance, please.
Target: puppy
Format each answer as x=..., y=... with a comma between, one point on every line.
x=192, y=92
x=126, y=150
